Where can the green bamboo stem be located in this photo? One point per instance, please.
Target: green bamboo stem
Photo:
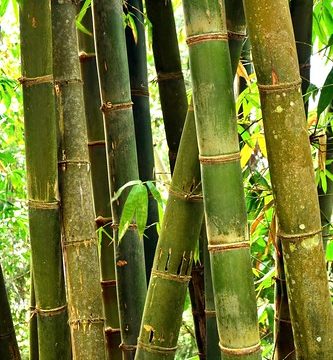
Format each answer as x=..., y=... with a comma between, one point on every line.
x=33, y=329
x=8, y=345
x=301, y=16
x=169, y=72
x=97, y=155
x=79, y=234
x=225, y=210
x=292, y=175
x=174, y=255
x=197, y=296
x=42, y=180
x=122, y=161
x=137, y=63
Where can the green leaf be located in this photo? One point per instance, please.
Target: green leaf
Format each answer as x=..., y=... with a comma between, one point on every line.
x=3, y=7
x=326, y=95
x=329, y=251
x=141, y=213
x=128, y=212
x=81, y=15
x=323, y=181
x=130, y=22
x=152, y=188
x=121, y=189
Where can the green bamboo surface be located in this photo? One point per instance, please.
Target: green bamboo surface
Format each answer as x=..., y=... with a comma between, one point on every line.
x=292, y=175
x=301, y=16
x=42, y=180
x=33, y=330
x=79, y=230
x=137, y=62
x=225, y=211
x=122, y=161
x=174, y=254
x=8, y=345
x=169, y=72
x=97, y=155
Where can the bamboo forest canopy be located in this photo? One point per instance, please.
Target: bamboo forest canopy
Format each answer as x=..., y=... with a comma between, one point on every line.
x=166, y=179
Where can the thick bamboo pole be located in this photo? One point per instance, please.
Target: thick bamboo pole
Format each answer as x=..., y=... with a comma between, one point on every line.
x=292, y=175
x=79, y=231
x=169, y=72
x=122, y=163
x=301, y=16
x=97, y=155
x=137, y=63
x=174, y=255
x=42, y=180
x=225, y=211
x=8, y=345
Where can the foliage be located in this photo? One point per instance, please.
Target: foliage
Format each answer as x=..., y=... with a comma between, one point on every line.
x=14, y=248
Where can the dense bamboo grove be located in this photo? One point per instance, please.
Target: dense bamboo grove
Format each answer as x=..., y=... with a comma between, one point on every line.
x=104, y=287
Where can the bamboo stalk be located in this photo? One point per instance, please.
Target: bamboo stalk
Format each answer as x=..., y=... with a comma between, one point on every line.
x=225, y=211
x=301, y=16
x=33, y=329
x=79, y=232
x=169, y=72
x=122, y=163
x=174, y=255
x=292, y=175
x=137, y=62
x=8, y=345
x=97, y=155
x=42, y=180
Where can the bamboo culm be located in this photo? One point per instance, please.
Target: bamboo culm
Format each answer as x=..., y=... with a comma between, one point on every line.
x=225, y=211
x=78, y=215
x=292, y=176
x=115, y=93
x=97, y=156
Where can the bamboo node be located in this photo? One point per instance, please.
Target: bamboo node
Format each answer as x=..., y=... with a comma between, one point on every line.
x=243, y=351
x=108, y=283
x=102, y=221
x=280, y=86
x=85, y=242
x=234, y=35
x=49, y=312
x=25, y=81
x=127, y=347
x=36, y=204
x=7, y=335
x=83, y=56
x=195, y=39
x=210, y=313
x=140, y=92
x=108, y=106
x=79, y=163
x=171, y=277
x=111, y=330
x=299, y=236
x=185, y=196
x=155, y=348
x=96, y=143
x=164, y=76
x=287, y=321
x=78, y=322
x=228, y=246
x=217, y=159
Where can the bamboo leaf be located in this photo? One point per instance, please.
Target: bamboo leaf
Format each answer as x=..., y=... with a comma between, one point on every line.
x=326, y=95
x=80, y=16
x=141, y=213
x=128, y=212
x=246, y=153
x=329, y=251
x=121, y=189
x=323, y=181
x=3, y=7
x=156, y=194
